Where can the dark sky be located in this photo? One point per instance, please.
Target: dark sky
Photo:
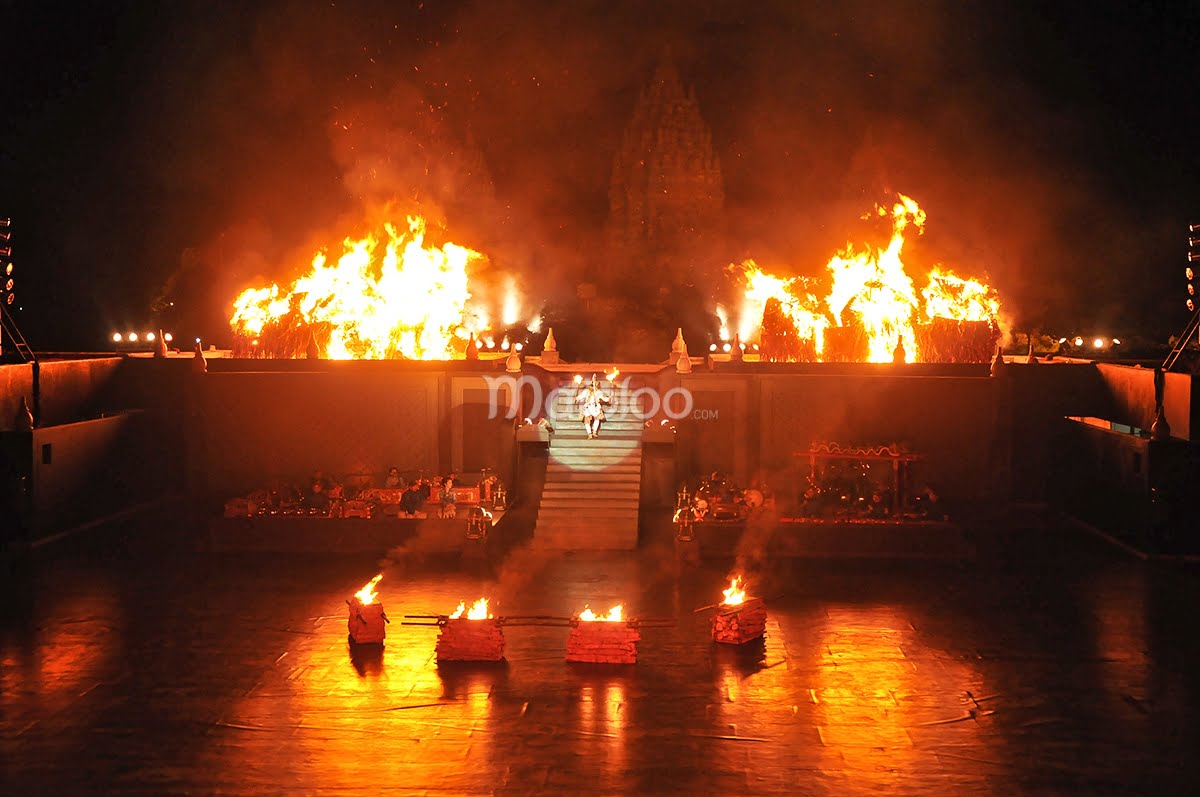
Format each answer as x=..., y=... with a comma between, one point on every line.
x=199, y=147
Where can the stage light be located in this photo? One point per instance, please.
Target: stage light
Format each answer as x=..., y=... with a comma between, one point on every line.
x=1098, y=343
x=197, y=340
x=519, y=346
x=150, y=336
x=713, y=347
x=116, y=337
x=1116, y=341
x=1078, y=341
x=168, y=337
x=726, y=347
x=132, y=337
x=1062, y=340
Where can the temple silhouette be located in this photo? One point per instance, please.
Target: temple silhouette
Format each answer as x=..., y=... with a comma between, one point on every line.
x=666, y=194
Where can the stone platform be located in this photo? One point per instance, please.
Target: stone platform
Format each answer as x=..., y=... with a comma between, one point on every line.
x=299, y=534
x=847, y=539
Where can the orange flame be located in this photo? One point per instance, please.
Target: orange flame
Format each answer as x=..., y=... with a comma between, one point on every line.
x=388, y=298
x=614, y=614
x=872, y=290
x=478, y=611
x=735, y=595
x=366, y=596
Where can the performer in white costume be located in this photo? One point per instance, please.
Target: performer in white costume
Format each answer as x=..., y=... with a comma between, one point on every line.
x=593, y=400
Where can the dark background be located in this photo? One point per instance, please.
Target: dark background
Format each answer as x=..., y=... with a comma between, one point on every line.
x=159, y=152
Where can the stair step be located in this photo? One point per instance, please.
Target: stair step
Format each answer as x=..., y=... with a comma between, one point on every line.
x=573, y=503
x=559, y=489
x=603, y=441
x=566, y=459
x=558, y=472
x=611, y=457
x=570, y=520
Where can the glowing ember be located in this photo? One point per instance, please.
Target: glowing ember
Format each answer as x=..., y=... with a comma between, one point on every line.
x=871, y=311
x=478, y=611
x=614, y=615
x=389, y=297
x=735, y=595
x=366, y=596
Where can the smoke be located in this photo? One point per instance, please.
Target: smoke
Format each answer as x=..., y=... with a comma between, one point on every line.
x=501, y=119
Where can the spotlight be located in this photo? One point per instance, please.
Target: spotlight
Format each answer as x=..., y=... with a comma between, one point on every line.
x=1116, y=342
x=1062, y=340
x=168, y=337
x=1078, y=341
x=713, y=347
x=131, y=337
x=1098, y=343
x=726, y=347
x=116, y=337
x=150, y=336
x=519, y=346
x=197, y=340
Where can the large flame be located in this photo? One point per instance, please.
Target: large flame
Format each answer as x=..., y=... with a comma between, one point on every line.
x=385, y=297
x=872, y=305
x=735, y=595
x=366, y=596
x=613, y=616
x=478, y=610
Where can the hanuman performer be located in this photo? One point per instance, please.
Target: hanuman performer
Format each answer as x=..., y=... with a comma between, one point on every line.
x=593, y=400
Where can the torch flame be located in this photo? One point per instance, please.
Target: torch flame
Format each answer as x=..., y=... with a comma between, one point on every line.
x=478, y=611
x=735, y=595
x=614, y=614
x=366, y=596
x=871, y=290
x=384, y=298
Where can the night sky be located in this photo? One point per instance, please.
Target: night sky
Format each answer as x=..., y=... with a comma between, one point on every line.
x=182, y=151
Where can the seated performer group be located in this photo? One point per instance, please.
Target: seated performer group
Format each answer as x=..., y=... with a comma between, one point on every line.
x=593, y=400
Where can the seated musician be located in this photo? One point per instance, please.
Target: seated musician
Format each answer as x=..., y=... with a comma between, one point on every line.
x=318, y=498
x=412, y=500
x=394, y=480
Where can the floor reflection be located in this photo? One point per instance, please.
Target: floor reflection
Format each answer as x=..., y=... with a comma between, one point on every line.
x=880, y=722
x=602, y=717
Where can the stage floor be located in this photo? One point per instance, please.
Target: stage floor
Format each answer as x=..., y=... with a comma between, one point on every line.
x=1053, y=664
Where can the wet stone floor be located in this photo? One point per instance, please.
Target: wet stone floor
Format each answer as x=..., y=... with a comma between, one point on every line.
x=1052, y=665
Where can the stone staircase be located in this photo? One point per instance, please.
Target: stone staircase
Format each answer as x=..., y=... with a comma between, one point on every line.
x=593, y=487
